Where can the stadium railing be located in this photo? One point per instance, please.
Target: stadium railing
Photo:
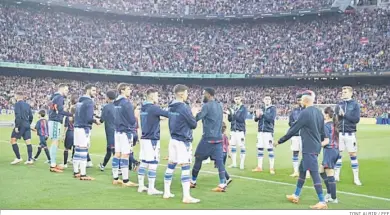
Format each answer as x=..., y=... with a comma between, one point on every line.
x=187, y=75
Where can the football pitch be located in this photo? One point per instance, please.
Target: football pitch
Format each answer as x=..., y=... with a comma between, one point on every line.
x=34, y=187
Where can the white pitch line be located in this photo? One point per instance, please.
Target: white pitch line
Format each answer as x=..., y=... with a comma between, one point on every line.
x=263, y=180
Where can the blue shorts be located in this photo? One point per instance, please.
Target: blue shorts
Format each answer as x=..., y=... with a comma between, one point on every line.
x=330, y=158
x=309, y=162
x=69, y=142
x=110, y=139
x=42, y=141
x=206, y=150
x=24, y=132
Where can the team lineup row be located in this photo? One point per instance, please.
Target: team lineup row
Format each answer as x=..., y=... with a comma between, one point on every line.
x=120, y=122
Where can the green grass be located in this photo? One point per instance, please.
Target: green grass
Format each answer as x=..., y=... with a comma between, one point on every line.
x=34, y=187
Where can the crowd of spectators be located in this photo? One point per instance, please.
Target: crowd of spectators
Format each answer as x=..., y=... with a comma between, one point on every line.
x=357, y=42
x=374, y=100
x=203, y=7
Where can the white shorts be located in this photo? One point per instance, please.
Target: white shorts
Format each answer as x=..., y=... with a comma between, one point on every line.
x=347, y=141
x=265, y=140
x=82, y=137
x=123, y=142
x=54, y=130
x=296, y=143
x=237, y=138
x=180, y=152
x=149, y=151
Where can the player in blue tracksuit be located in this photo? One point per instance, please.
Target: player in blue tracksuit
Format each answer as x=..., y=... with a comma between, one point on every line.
x=296, y=141
x=150, y=141
x=42, y=129
x=124, y=121
x=211, y=143
x=265, y=119
x=56, y=117
x=330, y=154
x=310, y=124
x=23, y=120
x=237, y=117
x=107, y=117
x=348, y=114
x=181, y=124
x=83, y=120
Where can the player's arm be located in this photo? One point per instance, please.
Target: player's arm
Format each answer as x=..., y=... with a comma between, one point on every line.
x=202, y=113
x=18, y=115
x=130, y=113
x=326, y=133
x=354, y=115
x=241, y=116
x=103, y=116
x=269, y=117
x=291, y=119
x=30, y=116
x=37, y=125
x=90, y=113
x=190, y=119
x=59, y=103
x=160, y=112
x=294, y=129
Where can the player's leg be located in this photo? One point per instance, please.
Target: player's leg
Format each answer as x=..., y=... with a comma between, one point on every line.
x=107, y=157
x=172, y=162
x=311, y=163
x=271, y=154
x=227, y=176
x=184, y=159
x=352, y=151
x=242, y=150
x=217, y=155
x=342, y=146
x=295, y=148
x=124, y=160
x=325, y=179
x=89, y=161
x=14, y=137
x=260, y=152
x=39, y=148
x=55, y=134
x=201, y=154
x=84, y=151
x=116, y=158
x=44, y=146
x=26, y=132
x=233, y=143
x=153, y=157
x=143, y=165
x=78, y=152
x=294, y=198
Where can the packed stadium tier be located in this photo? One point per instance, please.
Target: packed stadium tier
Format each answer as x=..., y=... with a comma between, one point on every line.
x=374, y=100
x=351, y=42
x=203, y=7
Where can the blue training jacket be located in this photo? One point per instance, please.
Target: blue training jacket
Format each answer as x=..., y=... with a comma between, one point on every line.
x=237, y=119
x=150, y=120
x=266, y=122
x=348, y=122
x=181, y=121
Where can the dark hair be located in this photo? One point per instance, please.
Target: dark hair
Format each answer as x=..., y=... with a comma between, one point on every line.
x=74, y=99
x=42, y=113
x=330, y=112
x=122, y=86
x=88, y=87
x=62, y=85
x=179, y=88
x=151, y=91
x=111, y=94
x=210, y=91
